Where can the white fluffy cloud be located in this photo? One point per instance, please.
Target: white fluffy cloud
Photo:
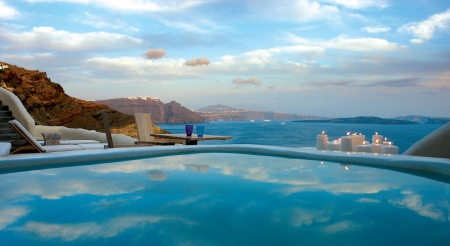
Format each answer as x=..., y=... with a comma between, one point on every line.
x=92, y=230
x=102, y=22
x=297, y=11
x=374, y=29
x=414, y=202
x=341, y=227
x=7, y=12
x=9, y=215
x=359, y=4
x=48, y=38
x=425, y=30
x=353, y=44
x=135, y=5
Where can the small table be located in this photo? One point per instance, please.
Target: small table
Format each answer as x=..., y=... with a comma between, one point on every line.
x=192, y=140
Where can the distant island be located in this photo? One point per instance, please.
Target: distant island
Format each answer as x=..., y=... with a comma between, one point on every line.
x=220, y=112
x=363, y=120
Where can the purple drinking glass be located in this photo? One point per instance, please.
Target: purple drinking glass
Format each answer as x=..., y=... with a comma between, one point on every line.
x=189, y=129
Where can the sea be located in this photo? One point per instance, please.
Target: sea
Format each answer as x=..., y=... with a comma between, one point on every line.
x=303, y=134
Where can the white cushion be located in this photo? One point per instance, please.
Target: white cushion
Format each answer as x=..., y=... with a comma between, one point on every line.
x=80, y=141
x=56, y=148
x=92, y=146
x=5, y=147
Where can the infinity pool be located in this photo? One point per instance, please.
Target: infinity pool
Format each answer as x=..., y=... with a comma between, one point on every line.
x=222, y=199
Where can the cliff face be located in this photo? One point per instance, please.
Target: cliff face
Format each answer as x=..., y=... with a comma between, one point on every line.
x=160, y=112
x=48, y=104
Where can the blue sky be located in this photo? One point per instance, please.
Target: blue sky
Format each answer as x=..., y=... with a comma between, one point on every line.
x=336, y=58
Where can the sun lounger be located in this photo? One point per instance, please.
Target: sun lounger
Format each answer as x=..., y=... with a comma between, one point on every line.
x=32, y=143
x=144, y=129
x=110, y=140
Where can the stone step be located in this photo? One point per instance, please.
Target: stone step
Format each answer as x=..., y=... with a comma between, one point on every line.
x=4, y=107
x=5, y=113
x=9, y=137
x=8, y=130
x=4, y=125
x=5, y=119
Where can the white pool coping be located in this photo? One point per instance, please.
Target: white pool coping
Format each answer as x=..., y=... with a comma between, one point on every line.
x=35, y=161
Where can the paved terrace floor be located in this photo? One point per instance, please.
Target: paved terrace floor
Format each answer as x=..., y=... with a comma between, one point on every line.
x=434, y=168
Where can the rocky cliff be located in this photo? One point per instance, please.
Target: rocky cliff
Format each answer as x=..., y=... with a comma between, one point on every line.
x=227, y=113
x=160, y=112
x=48, y=104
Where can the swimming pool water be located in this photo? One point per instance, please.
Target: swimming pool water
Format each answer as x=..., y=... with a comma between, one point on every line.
x=222, y=199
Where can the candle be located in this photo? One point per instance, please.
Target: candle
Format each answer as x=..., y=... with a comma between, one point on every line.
x=377, y=137
x=376, y=147
x=335, y=145
x=346, y=143
x=358, y=140
x=321, y=141
x=389, y=149
x=365, y=147
x=385, y=142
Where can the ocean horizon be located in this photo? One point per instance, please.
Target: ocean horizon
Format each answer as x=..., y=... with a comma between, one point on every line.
x=296, y=134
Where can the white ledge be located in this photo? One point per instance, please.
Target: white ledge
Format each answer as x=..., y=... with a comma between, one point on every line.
x=404, y=163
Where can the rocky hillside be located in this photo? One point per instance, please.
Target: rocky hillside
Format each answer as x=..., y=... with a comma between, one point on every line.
x=227, y=113
x=160, y=112
x=48, y=104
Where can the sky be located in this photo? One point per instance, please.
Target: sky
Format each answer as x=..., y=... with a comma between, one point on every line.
x=335, y=58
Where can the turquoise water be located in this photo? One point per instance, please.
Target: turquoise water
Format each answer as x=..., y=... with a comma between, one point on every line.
x=294, y=134
x=222, y=199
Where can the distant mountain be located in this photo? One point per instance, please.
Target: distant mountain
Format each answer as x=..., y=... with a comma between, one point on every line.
x=364, y=120
x=160, y=112
x=216, y=108
x=227, y=113
x=424, y=119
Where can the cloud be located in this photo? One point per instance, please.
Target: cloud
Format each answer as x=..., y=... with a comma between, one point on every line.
x=359, y=4
x=154, y=54
x=137, y=5
x=9, y=215
x=271, y=87
x=252, y=81
x=198, y=168
x=353, y=44
x=341, y=226
x=156, y=175
x=295, y=11
x=425, y=30
x=7, y=12
x=414, y=203
x=399, y=83
x=92, y=230
x=48, y=38
x=197, y=62
x=368, y=200
x=101, y=23
x=373, y=29
x=299, y=217
x=331, y=83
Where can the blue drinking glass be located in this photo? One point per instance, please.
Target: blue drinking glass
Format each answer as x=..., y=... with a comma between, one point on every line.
x=200, y=131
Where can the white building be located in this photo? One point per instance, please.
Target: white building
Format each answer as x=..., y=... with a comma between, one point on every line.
x=3, y=66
